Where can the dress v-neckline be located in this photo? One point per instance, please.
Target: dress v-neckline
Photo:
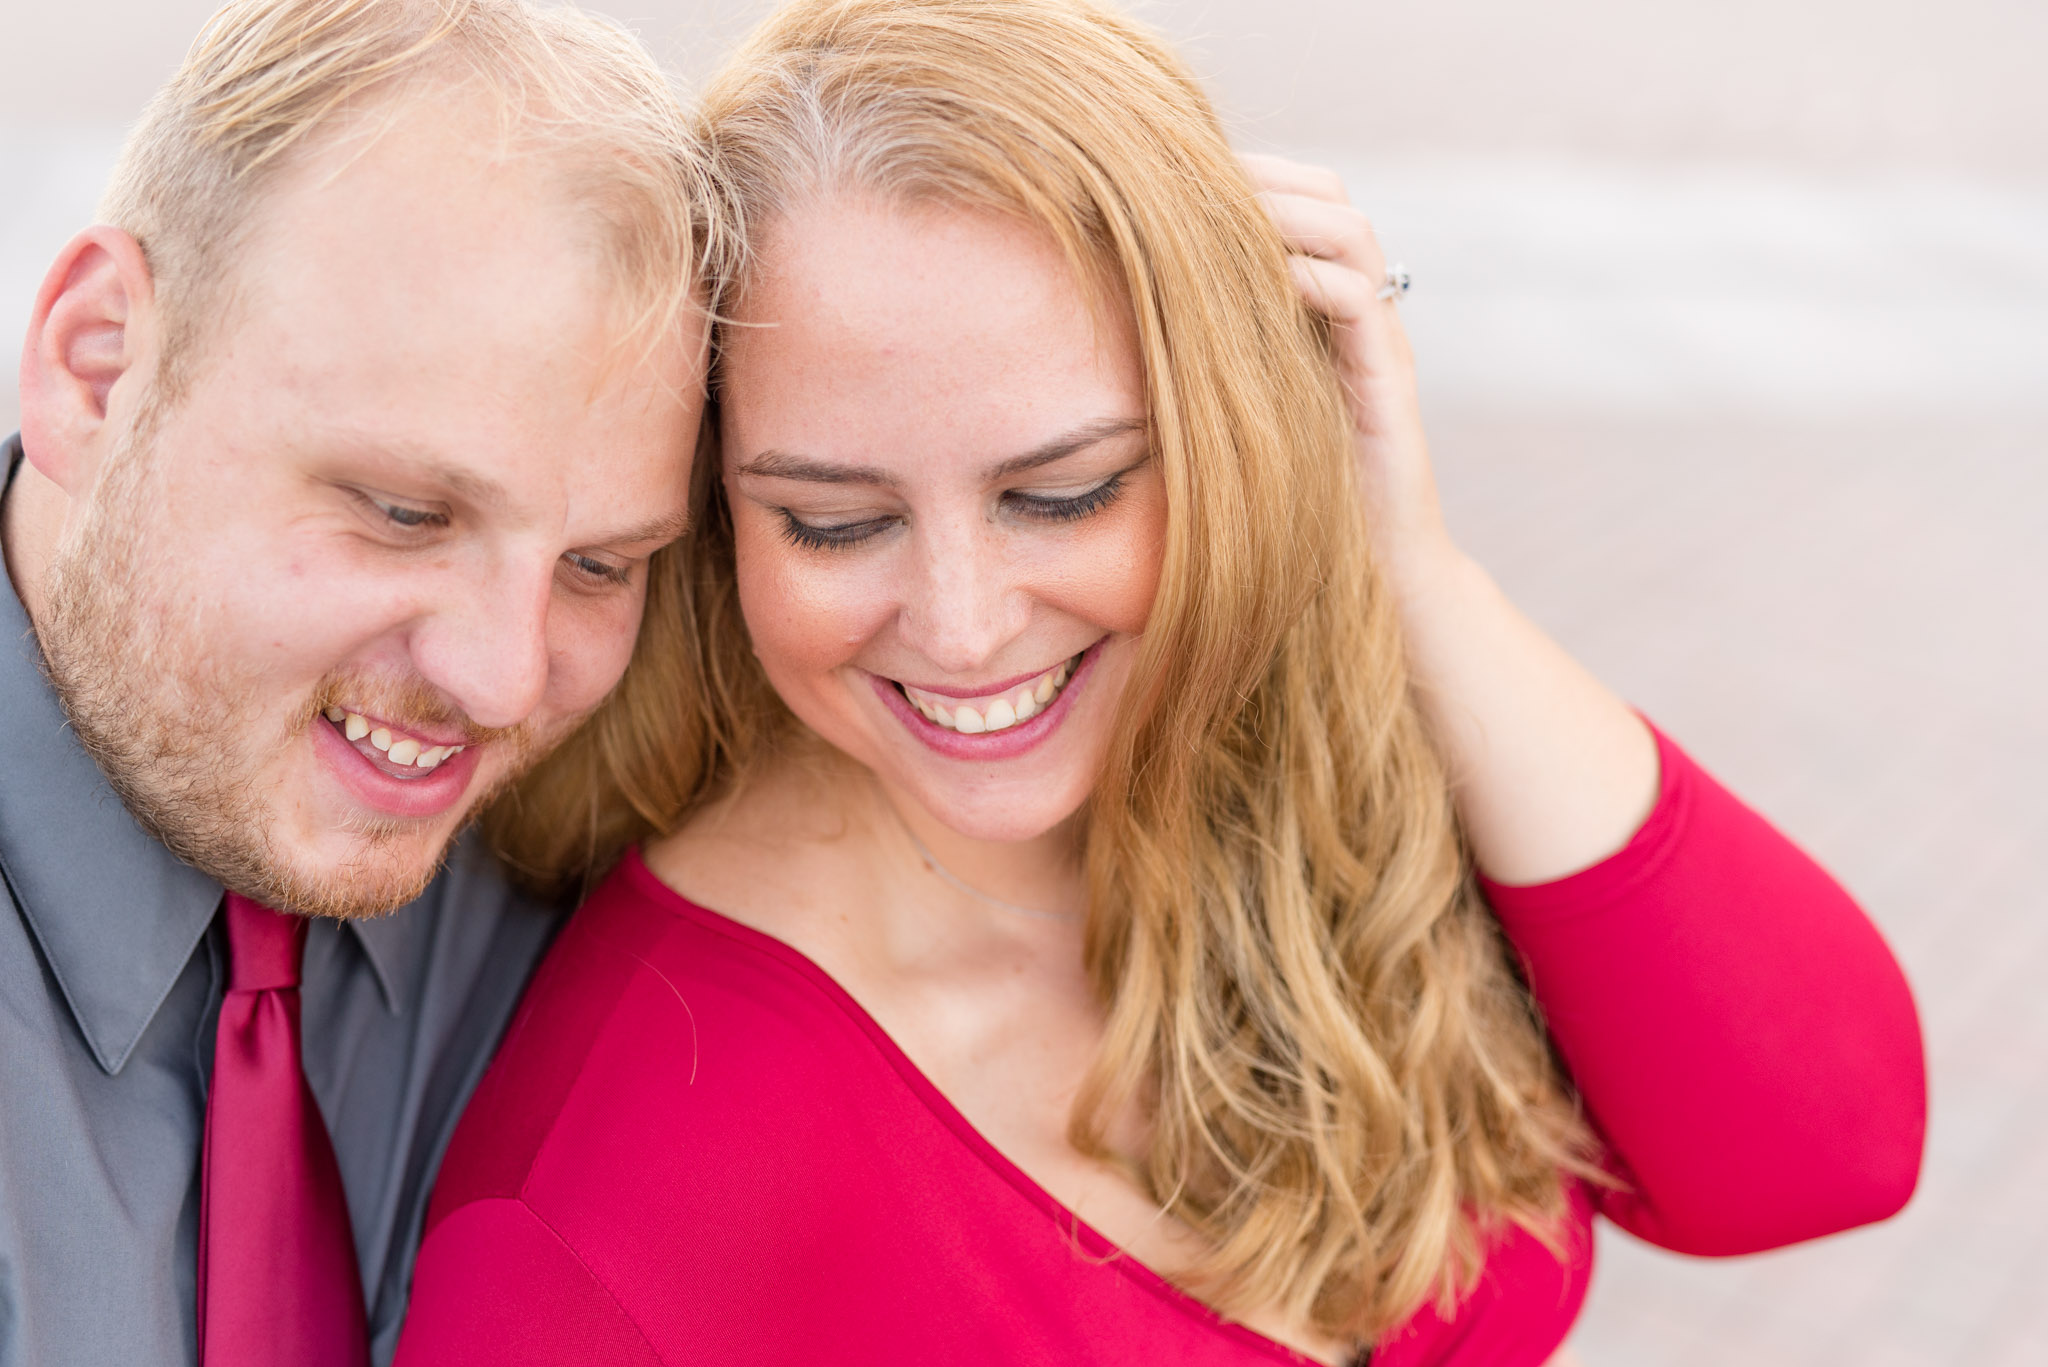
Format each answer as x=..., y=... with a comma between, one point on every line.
x=1090, y=1240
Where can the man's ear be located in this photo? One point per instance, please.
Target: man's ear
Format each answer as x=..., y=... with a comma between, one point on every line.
x=94, y=326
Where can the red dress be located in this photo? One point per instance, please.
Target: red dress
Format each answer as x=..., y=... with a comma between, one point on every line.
x=695, y=1147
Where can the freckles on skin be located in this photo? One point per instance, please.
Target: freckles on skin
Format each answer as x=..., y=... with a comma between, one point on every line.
x=804, y=620
x=964, y=585
x=1110, y=576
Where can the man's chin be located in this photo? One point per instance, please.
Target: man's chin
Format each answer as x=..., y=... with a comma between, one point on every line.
x=327, y=851
x=377, y=883
x=349, y=871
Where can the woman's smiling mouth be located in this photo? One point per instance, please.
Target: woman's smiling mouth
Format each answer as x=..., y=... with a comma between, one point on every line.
x=997, y=710
x=995, y=723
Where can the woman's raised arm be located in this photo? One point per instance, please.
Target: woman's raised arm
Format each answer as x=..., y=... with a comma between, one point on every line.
x=1552, y=771
x=1738, y=1030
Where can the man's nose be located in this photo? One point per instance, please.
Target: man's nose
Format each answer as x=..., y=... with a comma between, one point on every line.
x=486, y=644
x=965, y=600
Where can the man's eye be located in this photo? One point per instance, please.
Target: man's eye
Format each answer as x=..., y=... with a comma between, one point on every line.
x=599, y=570
x=408, y=517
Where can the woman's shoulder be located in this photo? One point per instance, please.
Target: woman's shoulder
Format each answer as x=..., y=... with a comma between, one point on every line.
x=610, y=1000
x=771, y=853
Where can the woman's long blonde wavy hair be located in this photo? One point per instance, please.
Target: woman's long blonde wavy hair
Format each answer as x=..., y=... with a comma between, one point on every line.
x=1345, y=1086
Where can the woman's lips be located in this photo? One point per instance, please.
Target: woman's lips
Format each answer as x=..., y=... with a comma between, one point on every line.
x=1003, y=742
x=998, y=709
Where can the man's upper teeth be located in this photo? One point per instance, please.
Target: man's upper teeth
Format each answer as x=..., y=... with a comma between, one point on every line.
x=400, y=750
x=999, y=713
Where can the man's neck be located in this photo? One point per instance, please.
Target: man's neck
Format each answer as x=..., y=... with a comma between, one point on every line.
x=31, y=515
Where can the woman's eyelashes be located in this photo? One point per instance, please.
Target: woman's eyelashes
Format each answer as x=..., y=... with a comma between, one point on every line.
x=1071, y=508
x=1033, y=507
x=815, y=538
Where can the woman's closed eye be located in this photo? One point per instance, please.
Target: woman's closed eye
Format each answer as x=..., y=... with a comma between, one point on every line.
x=831, y=536
x=1037, y=507
x=1067, y=507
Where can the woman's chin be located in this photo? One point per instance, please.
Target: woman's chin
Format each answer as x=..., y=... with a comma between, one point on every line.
x=996, y=818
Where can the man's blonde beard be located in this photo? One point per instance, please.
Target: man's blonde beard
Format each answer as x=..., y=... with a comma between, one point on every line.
x=169, y=723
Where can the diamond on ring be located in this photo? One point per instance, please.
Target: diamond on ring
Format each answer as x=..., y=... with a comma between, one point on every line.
x=1395, y=286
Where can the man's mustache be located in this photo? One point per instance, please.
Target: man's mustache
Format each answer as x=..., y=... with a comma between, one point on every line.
x=412, y=703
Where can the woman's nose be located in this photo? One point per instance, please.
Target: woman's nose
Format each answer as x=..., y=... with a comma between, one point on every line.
x=968, y=599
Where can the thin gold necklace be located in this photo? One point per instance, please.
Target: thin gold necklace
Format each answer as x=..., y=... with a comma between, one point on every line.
x=932, y=862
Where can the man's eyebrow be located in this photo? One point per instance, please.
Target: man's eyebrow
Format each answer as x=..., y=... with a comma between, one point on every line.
x=472, y=487
x=486, y=492
x=787, y=465
x=664, y=529
x=413, y=463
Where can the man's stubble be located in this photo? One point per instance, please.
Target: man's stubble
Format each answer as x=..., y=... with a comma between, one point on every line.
x=179, y=733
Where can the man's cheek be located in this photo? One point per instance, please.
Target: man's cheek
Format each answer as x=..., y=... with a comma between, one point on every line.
x=305, y=638
x=587, y=656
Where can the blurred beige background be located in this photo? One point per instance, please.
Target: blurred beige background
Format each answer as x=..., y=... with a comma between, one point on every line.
x=1733, y=319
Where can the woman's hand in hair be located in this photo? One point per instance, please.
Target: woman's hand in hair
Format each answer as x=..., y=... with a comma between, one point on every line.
x=1553, y=771
x=1339, y=268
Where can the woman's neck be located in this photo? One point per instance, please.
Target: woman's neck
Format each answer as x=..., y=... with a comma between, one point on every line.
x=1042, y=877
x=818, y=852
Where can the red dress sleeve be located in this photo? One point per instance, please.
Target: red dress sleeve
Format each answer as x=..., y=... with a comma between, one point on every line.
x=1744, y=1042
x=495, y=1287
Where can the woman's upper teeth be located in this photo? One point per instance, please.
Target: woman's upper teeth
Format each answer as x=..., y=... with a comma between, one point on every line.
x=400, y=750
x=996, y=712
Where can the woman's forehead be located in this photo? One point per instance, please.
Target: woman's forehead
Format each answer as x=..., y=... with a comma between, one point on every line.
x=916, y=280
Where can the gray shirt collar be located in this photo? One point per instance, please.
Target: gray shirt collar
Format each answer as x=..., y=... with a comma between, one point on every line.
x=117, y=914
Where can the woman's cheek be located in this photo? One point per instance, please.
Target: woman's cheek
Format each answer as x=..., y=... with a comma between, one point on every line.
x=1110, y=576
x=1142, y=550
x=806, y=614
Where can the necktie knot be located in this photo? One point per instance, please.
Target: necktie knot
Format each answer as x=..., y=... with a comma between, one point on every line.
x=264, y=946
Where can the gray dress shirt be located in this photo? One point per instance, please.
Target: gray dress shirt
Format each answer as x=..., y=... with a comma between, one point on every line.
x=111, y=974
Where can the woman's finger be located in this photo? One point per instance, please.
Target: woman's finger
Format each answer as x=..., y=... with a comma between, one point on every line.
x=1338, y=293
x=1334, y=232
x=1281, y=176
x=1369, y=339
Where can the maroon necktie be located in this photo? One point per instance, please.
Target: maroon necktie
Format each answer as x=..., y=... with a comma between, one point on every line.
x=278, y=1285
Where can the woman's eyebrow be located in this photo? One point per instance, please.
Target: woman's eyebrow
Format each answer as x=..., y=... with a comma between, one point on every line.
x=1059, y=448
x=786, y=465
x=789, y=465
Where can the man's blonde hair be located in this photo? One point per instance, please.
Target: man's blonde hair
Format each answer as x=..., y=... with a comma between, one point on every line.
x=268, y=80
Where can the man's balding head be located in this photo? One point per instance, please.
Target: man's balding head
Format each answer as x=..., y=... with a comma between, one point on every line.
x=351, y=438
x=273, y=88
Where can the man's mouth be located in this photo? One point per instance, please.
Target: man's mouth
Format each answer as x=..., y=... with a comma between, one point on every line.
x=393, y=749
x=996, y=711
